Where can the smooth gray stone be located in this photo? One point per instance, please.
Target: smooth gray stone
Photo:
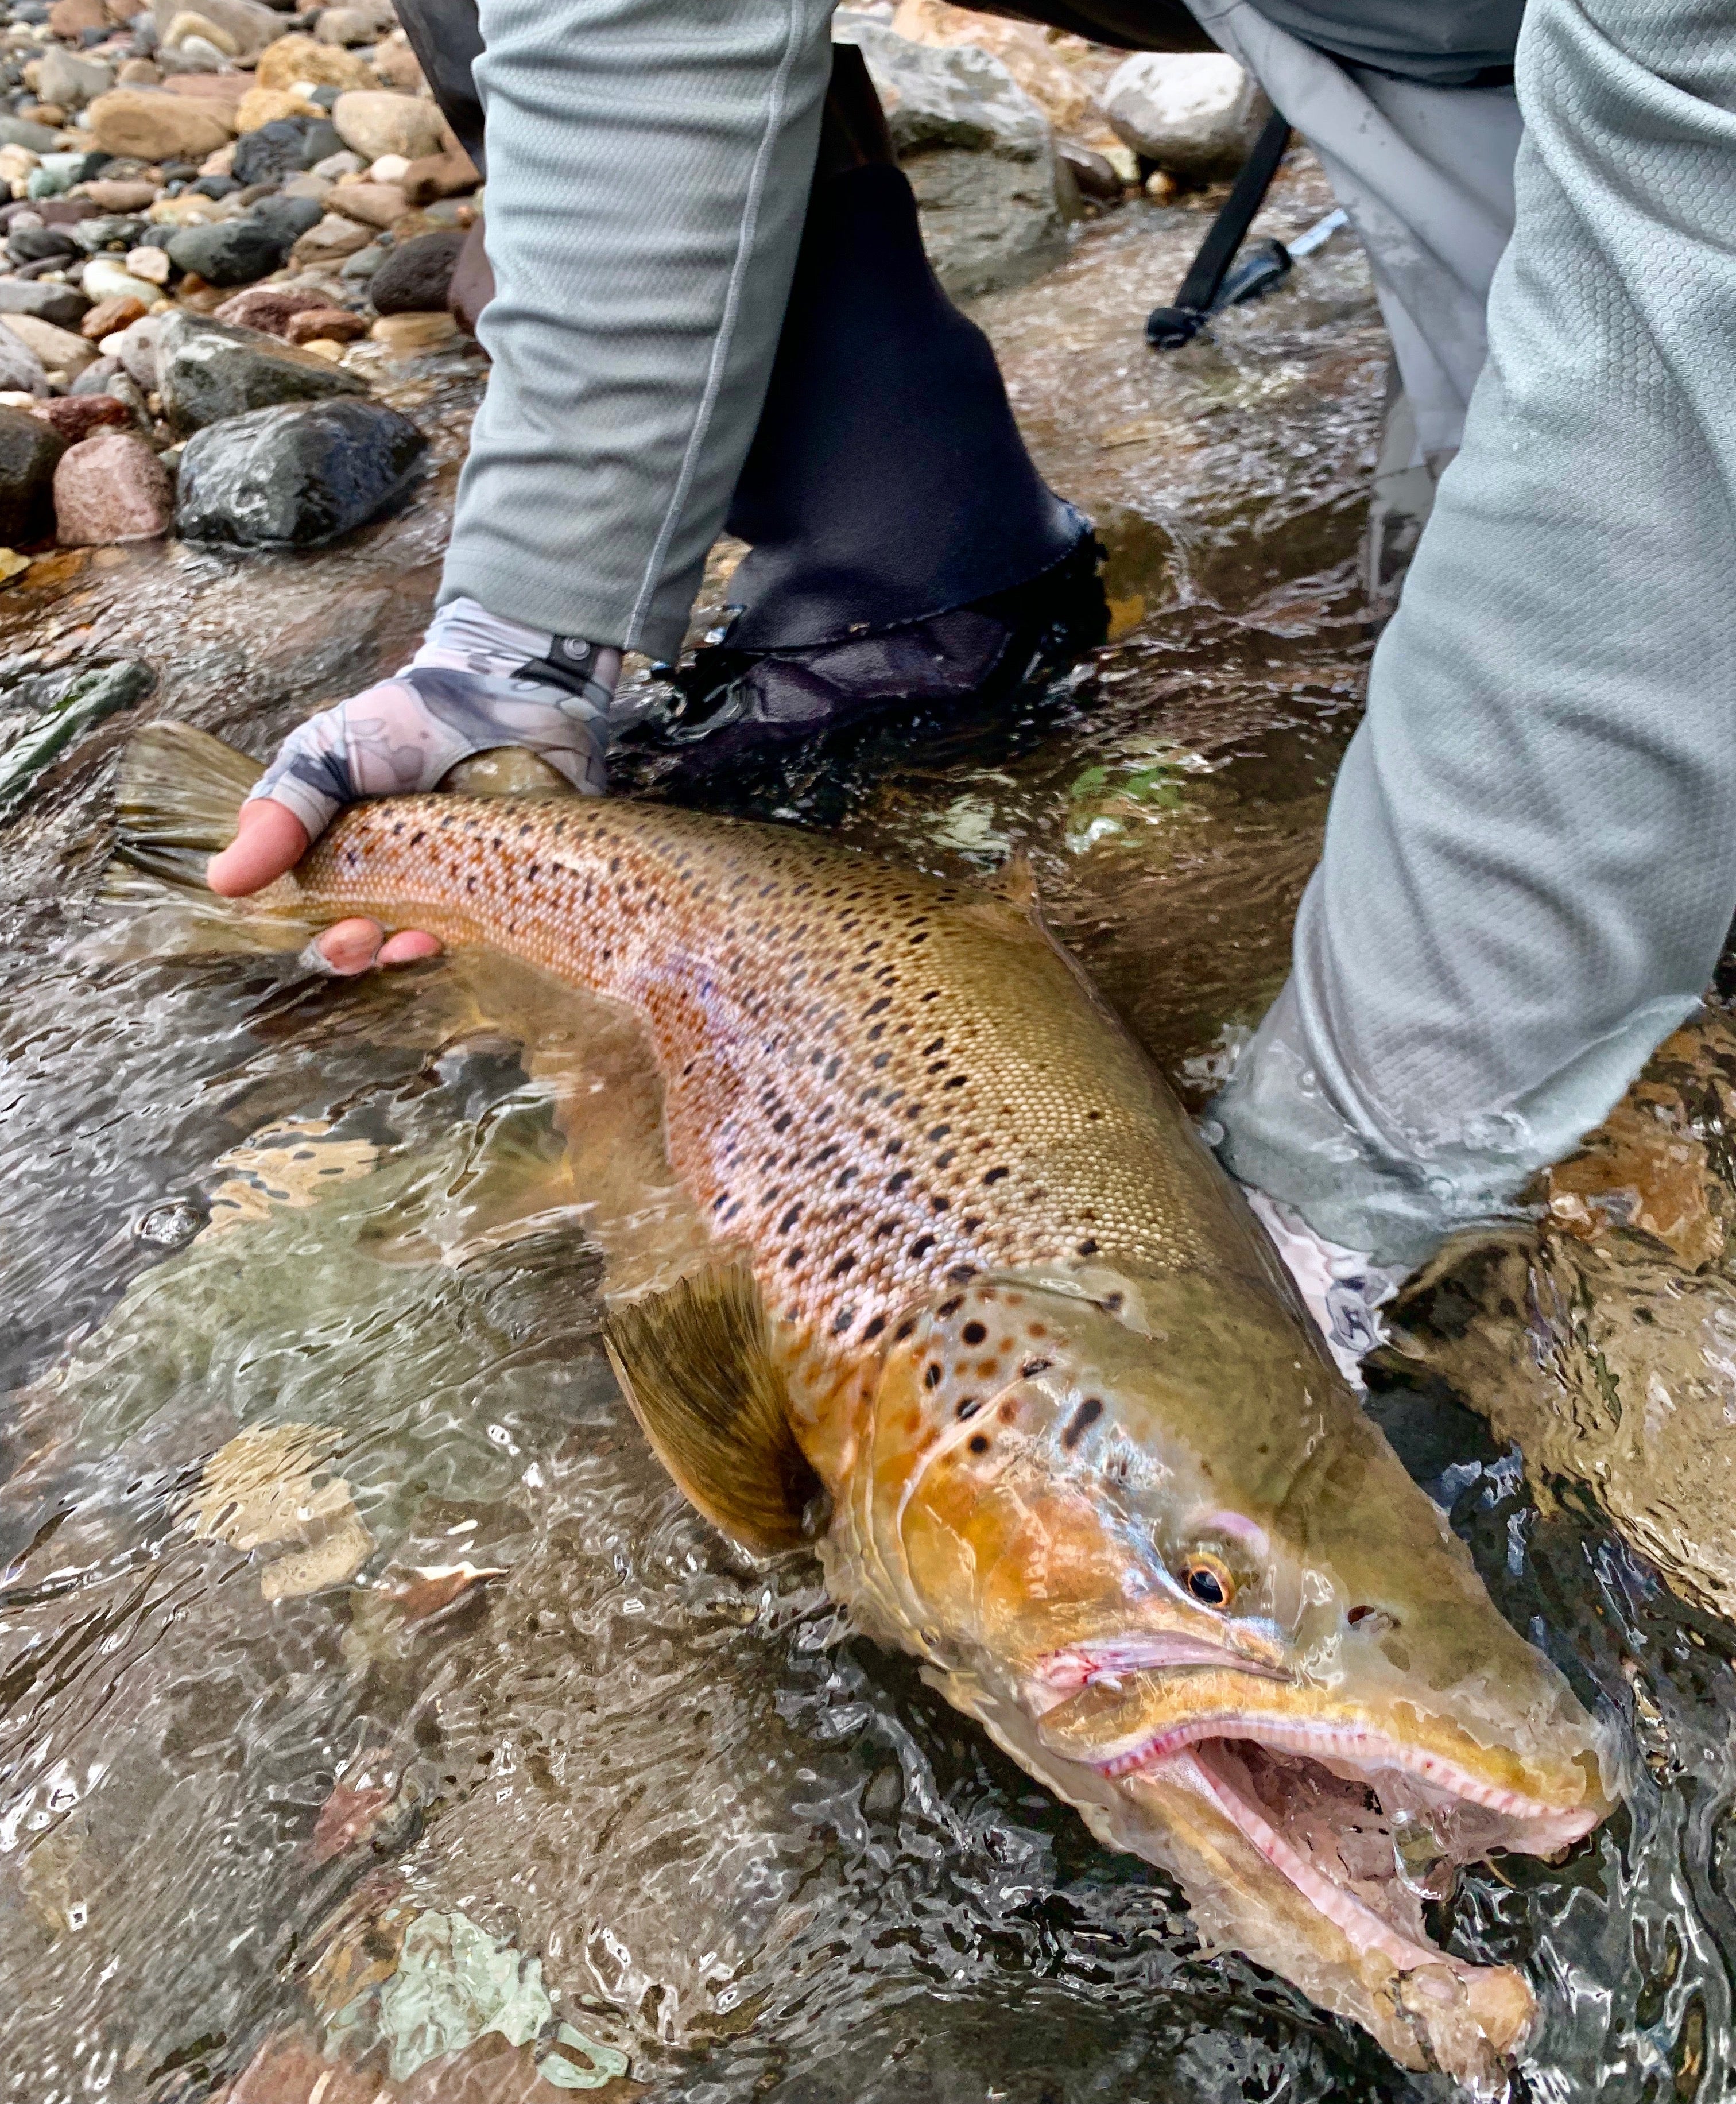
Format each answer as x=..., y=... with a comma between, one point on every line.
x=207, y=370
x=65, y=306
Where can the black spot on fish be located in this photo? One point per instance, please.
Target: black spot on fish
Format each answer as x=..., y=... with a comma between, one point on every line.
x=969, y=1407
x=994, y=1175
x=922, y=1245
x=974, y=1333
x=1088, y=1247
x=1081, y=1421
x=1032, y=1367
x=978, y=1442
x=931, y=1378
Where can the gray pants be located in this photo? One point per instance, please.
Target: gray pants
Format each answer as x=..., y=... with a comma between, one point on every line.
x=1530, y=862
x=648, y=167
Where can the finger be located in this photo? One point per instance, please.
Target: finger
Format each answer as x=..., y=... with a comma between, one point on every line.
x=268, y=840
x=349, y=947
x=408, y=947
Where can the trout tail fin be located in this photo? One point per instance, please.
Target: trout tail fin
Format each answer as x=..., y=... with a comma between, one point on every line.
x=176, y=802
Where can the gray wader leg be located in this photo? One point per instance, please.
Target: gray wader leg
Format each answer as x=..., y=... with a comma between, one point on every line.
x=1530, y=860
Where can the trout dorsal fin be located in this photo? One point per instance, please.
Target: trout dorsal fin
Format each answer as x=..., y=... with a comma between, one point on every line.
x=696, y=1364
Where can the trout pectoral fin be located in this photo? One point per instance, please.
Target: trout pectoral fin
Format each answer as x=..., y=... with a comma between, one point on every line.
x=697, y=1366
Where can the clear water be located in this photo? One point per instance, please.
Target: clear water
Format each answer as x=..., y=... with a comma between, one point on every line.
x=299, y=1337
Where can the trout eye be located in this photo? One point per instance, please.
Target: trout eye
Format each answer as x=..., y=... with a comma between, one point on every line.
x=1206, y=1578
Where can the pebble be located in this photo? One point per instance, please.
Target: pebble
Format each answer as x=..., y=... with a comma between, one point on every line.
x=20, y=132
x=209, y=370
x=59, y=349
x=71, y=18
x=151, y=265
x=62, y=305
x=291, y=60
x=188, y=24
x=75, y=416
x=95, y=378
x=324, y=325
x=453, y=174
x=333, y=239
x=69, y=80
x=375, y=205
x=295, y=477
x=109, y=316
x=376, y=121
x=281, y=148
x=137, y=351
x=260, y=106
x=416, y=277
x=231, y=251
x=270, y=308
x=29, y=451
x=154, y=125
x=246, y=24
x=326, y=347
x=389, y=169
x=406, y=334
x=107, y=277
x=109, y=489
x=137, y=195
x=37, y=244
x=336, y=166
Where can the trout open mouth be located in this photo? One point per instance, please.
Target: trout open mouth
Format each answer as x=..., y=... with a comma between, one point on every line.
x=1366, y=1826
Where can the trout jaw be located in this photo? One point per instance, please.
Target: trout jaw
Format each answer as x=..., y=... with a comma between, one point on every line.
x=1362, y=1823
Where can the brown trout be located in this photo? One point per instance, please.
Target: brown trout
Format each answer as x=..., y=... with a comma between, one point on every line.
x=990, y=1329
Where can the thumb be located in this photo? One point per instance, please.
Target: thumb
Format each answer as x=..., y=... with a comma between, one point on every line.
x=268, y=840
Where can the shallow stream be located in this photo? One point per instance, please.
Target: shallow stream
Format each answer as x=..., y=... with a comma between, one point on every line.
x=374, y=1717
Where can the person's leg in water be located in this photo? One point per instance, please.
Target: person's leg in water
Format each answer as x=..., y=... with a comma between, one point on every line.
x=1530, y=860
x=648, y=170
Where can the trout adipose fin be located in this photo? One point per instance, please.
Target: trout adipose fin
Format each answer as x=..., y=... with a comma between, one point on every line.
x=696, y=1364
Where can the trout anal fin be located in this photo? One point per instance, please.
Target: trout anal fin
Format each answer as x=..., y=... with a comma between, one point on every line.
x=697, y=1366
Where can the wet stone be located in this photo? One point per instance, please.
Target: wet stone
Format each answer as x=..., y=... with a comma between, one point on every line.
x=109, y=489
x=268, y=308
x=293, y=477
x=416, y=277
x=233, y=252
x=29, y=451
x=37, y=244
x=283, y=148
x=207, y=370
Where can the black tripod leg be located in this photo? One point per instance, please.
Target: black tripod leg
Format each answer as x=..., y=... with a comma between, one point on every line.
x=1166, y=328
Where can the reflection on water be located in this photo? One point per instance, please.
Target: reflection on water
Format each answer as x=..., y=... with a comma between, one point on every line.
x=374, y=1717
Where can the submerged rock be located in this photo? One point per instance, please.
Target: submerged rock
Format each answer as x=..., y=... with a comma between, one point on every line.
x=111, y=488
x=292, y=477
x=30, y=451
x=89, y=699
x=208, y=370
x=1196, y=114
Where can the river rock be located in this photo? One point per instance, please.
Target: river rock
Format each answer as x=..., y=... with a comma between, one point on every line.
x=233, y=252
x=38, y=244
x=135, y=196
x=375, y=205
x=260, y=106
x=107, y=277
x=287, y=217
x=397, y=65
x=59, y=349
x=281, y=148
x=451, y=174
x=109, y=316
x=296, y=58
x=326, y=325
x=189, y=27
x=415, y=278
x=379, y=121
x=63, y=304
x=21, y=131
x=980, y=155
x=75, y=416
x=29, y=451
x=269, y=308
x=70, y=81
x=100, y=230
x=71, y=18
x=295, y=477
x=245, y=24
x=333, y=239
x=1196, y=114
x=209, y=370
x=149, y=264
x=109, y=488
x=156, y=127
x=136, y=350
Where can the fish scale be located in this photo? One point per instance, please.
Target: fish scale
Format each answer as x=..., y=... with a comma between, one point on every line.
x=877, y=1083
